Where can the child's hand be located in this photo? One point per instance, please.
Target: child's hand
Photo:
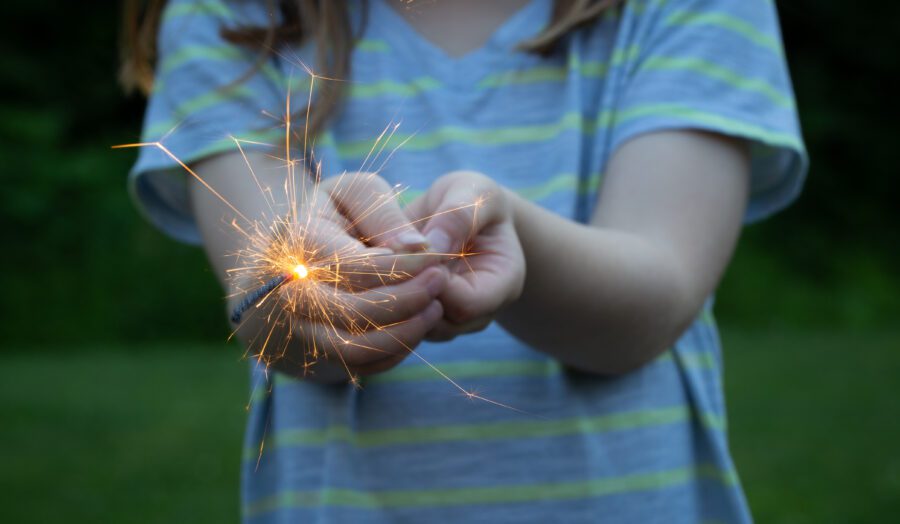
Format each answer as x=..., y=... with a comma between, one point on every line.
x=466, y=214
x=363, y=208
x=383, y=306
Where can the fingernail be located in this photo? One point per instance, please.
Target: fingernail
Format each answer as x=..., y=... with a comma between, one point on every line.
x=433, y=312
x=412, y=240
x=439, y=241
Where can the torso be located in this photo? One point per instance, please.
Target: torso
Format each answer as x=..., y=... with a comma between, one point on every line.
x=406, y=446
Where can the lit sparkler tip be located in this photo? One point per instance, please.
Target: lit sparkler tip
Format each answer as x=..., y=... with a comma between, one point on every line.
x=283, y=247
x=300, y=271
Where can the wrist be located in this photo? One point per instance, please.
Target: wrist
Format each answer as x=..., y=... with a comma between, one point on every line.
x=518, y=212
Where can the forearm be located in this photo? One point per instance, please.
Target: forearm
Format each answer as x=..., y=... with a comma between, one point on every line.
x=599, y=300
x=222, y=217
x=610, y=296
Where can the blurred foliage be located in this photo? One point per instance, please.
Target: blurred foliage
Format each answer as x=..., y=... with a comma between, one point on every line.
x=831, y=258
x=81, y=266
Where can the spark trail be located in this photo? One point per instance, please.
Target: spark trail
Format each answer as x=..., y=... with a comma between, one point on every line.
x=290, y=281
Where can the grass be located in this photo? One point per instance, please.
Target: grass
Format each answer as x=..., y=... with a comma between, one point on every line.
x=815, y=424
x=154, y=434
x=123, y=435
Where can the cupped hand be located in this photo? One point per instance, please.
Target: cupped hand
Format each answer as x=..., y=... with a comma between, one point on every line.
x=370, y=295
x=468, y=218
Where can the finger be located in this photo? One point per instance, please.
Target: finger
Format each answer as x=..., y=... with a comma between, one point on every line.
x=371, y=207
x=468, y=297
x=445, y=330
x=356, y=271
x=370, y=309
x=381, y=269
x=324, y=240
x=416, y=211
x=340, y=258
x=465, y=206
x=360, y=350
x=329, y=255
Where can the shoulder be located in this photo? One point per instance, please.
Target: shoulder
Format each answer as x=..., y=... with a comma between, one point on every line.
x=202, y=21
x=742, y=17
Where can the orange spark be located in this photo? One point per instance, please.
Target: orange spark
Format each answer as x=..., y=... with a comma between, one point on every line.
x=286, y=243
x=300, y=271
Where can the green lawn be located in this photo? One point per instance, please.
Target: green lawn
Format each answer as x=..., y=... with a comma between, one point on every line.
x=142, y=435
x=154, y=434
x=815, y=424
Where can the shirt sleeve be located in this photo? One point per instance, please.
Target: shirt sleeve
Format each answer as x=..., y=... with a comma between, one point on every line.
x=206, y=91
x=715, y=65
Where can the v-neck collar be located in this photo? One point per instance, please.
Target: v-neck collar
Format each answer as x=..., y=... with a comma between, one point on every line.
x=407, y=42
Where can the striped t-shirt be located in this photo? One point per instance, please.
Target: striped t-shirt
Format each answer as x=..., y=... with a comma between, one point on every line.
x=649, y=446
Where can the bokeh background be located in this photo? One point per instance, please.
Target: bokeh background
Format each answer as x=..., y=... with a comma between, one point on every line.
x=120, y=400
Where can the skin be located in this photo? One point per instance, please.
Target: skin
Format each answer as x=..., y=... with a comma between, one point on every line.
x=605, y=297
x=612, y=295
x=458, y=27
x=415, y=310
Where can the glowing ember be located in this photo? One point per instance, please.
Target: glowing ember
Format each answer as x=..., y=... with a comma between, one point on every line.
x=300, y=271
x=274, y=243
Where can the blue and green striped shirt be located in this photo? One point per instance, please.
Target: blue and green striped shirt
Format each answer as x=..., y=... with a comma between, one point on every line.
x=649, y=446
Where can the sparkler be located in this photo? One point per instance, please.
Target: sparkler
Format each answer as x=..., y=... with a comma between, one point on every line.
x=285, y=256
x=255, y=296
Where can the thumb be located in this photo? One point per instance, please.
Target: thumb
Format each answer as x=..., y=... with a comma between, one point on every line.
x=371, y=208
x=330, y=254
x=464, y=208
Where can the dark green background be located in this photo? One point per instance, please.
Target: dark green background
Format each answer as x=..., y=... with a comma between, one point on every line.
x=95, y=302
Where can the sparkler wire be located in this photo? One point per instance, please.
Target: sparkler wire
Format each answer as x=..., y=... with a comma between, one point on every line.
x=256, y=295
x=263, y=259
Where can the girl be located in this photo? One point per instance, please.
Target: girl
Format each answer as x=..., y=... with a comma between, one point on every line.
x=613, y=150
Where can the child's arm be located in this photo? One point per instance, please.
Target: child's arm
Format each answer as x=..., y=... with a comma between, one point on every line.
x=609, y=296
x=412, y=312
x=613, y=295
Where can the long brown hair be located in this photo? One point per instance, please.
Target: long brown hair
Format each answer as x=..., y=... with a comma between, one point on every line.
x=324, y=22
